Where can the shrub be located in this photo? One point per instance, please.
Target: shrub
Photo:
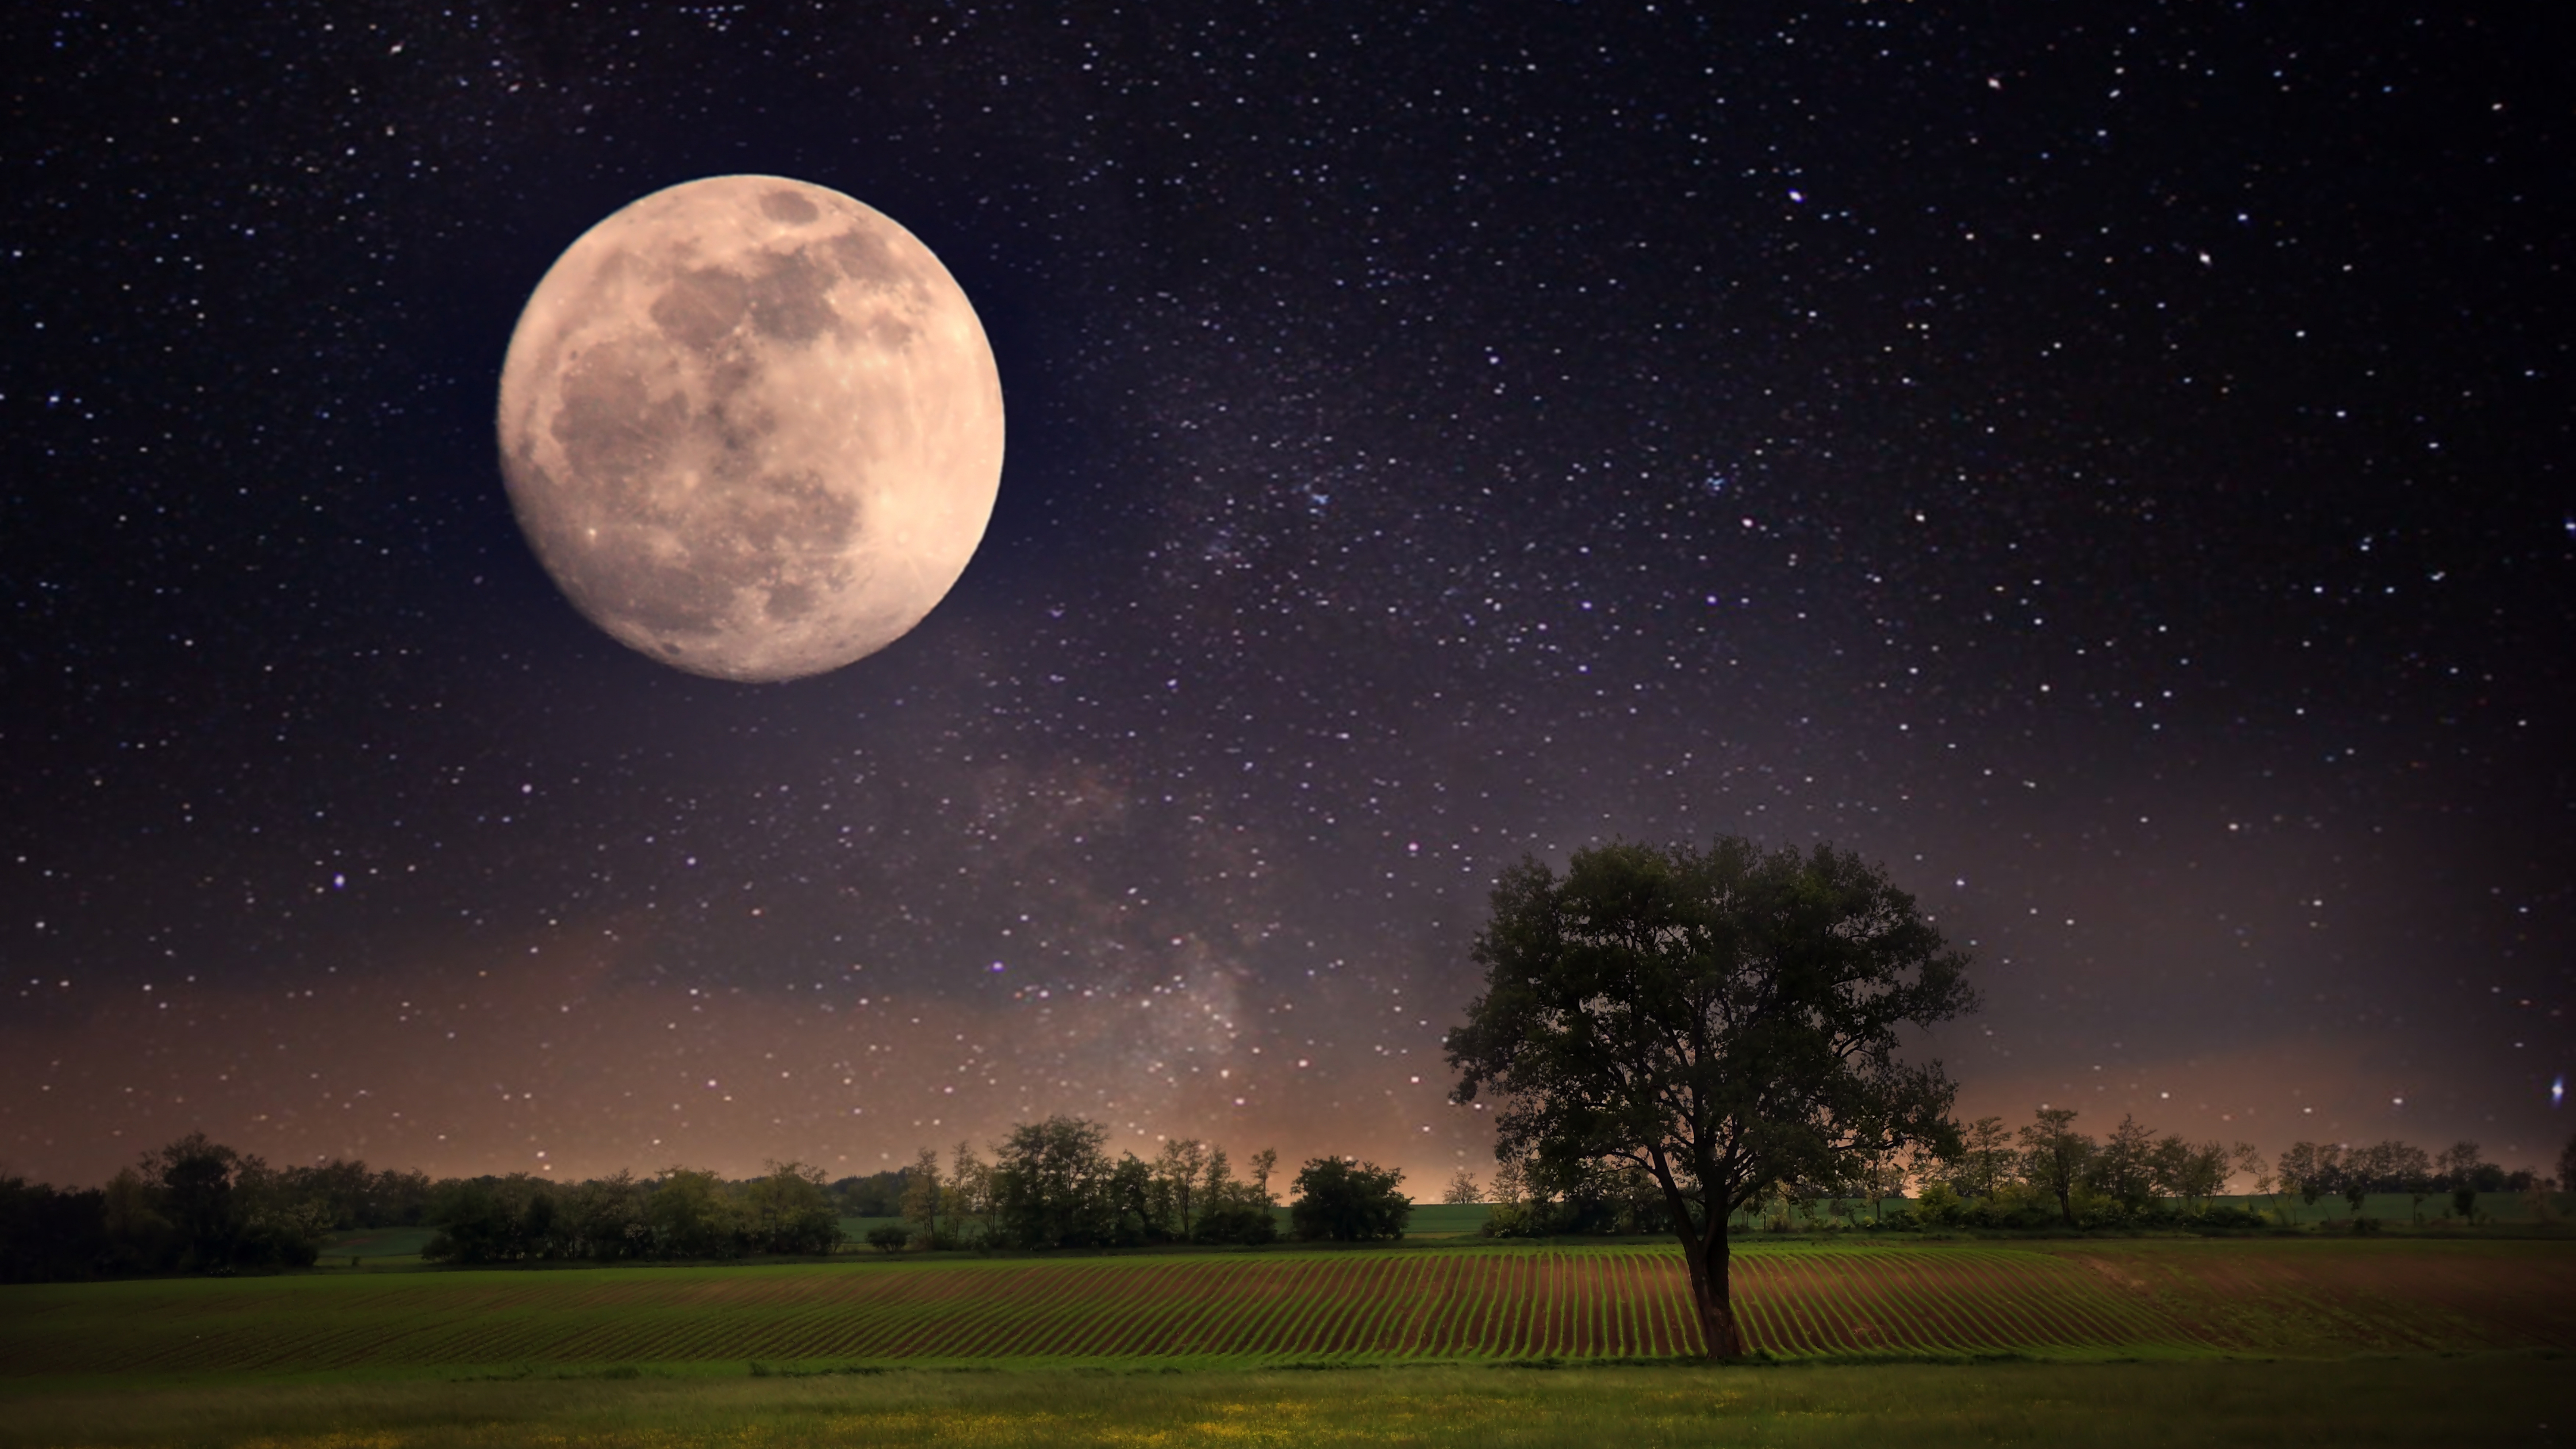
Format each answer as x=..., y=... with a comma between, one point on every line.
x=1248, y=1223
x=1349, y=1202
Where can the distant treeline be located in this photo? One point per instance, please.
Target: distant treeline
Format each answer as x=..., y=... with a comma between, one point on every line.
x=195, y=1206
x=2047, y=1172
x=199, y=1206
x=2043, y=1175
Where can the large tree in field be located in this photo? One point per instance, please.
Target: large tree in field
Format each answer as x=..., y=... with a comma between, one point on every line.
x=1723, y=1020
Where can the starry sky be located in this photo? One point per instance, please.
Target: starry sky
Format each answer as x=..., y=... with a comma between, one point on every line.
x=2106, y=462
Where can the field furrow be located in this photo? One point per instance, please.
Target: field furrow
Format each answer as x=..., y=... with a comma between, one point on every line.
x=1486, y=1301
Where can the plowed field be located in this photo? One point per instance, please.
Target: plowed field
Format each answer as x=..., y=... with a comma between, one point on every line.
x=2069, y=1300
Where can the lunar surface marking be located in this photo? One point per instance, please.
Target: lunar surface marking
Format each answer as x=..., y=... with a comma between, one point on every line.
x=752, y=427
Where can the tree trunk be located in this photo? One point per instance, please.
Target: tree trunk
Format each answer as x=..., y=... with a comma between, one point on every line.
x=1706, y=1256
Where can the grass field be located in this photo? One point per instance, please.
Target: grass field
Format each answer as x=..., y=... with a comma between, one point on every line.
x=2123, y=1342
x=1442, y=1222
x=2505, y=1399
x=2075, y=1300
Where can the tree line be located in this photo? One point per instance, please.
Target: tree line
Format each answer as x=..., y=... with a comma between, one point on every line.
x=196, y=1206
x=199, y=1206
x=2048, y=1172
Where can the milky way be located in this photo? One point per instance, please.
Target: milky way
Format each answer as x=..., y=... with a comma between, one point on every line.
x=2106, y=464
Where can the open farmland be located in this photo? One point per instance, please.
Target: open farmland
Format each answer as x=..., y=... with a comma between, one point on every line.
x=2071, y=1300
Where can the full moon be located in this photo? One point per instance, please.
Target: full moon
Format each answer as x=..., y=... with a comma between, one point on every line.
x=752, y=427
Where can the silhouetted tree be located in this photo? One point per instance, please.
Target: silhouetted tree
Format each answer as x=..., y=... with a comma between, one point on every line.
x=788, y=1211
x=1051, y=1185
x=195, y=1178
x=2311, y=1169
x=1349, y=1202
x=606, y=1221
x=1234, y=1212
x=2055, y=1157
x=2455, y=1170
x=922, y=1200
x=693, y=1216
x=49, y=1236
x=1722, y=1020
x=1985, y=1158
x=1176, y=1172
x=2123, y=1169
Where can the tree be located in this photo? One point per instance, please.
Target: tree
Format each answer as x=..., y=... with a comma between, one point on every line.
x=2457, y=1167
x=282, y=1215
x=1231, y=1211
x=1051, y=1185
x=2246, y=1159
x=1264, y=1163
x=2405, y=1168
x=2567, y=1165
x=1722, y=1019
x=2124, y=1168
x=606, y=1218
x=967, y=1199
x=2194, y=1174
x=1349, y=1202
x=497, y=1220
x=922, y=1200
x=2055, y=1157
x=1176, y=1172
x=1462, y=1190
x=2311, y=1170
x=789, y=1212
x=138, y=1236
x=692, y=1215
x=1985, y=1158
x=195, y=1176
x=1520, y=1209
x=2363, y=1168
x=1877, y=1175
x=1136, y=1211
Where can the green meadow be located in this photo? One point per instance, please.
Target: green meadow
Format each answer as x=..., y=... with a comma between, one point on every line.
x=2492, y=1399
x=2345, y=1340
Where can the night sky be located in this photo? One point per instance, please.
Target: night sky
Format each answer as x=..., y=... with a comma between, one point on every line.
x=2107, y=462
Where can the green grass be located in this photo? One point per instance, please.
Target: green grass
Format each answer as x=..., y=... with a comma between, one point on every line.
x=2492, y=1399
x=375, y=1245
x=2071, y=1300
x=1442, y=1220
x=854, y=1232
x=2177, y=1341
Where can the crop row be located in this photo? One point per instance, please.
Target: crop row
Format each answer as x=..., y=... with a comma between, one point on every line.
x=1463, y=1304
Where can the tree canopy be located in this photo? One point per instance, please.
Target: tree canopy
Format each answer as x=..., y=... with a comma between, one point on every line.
x=1349, y=1202
x=1723, y=1020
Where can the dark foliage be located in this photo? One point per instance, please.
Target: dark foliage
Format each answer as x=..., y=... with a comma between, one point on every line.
x=1248, y=1224
x=1349, y=1202
x=49, y=1235
x=1053, y=1188
x=1721, y=1021
x=878, y=1195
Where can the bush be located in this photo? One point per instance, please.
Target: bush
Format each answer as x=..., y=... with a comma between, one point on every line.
x=889, y=1237
x=1349, y=1202
x=790, y=1212
x=1247, y=1223
x=1520, y=1220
